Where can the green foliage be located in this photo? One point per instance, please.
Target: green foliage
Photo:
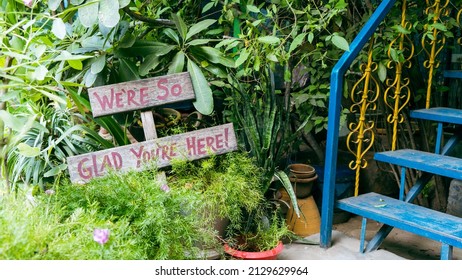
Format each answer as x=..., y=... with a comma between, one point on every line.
x=145, y=221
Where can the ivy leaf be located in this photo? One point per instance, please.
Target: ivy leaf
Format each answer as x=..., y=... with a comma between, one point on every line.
x=204, y=96
x=28, y=151
x=59, y=28
x=109, y=12
x=272, y=40
x=340, y=42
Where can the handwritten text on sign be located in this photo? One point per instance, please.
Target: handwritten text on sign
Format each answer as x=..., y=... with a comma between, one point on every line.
x=140, y=94
x=191, y=145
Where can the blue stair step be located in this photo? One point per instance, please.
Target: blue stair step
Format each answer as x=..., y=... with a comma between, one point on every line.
x=456, y=74
x=429, y=162
x=423, y=221
x=439, y=114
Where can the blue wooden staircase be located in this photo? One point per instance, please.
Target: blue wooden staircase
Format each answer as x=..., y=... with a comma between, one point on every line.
x=400, y=213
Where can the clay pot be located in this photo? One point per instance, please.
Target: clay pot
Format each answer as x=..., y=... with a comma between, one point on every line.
x=303, y=187
x=309, y=221
x=301, y=171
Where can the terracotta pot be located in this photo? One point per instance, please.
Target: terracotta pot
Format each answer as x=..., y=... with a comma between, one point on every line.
x=263, y=255
x=301, y=171
x=309, y=221
x=303, y=187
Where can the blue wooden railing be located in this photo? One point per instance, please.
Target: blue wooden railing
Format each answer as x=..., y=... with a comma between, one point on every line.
x=333, y=126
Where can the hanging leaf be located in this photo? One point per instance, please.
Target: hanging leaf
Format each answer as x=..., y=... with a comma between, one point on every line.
x=99, y=63
x=340, y=42
x=198, y=27
x=253, y=9
x=109, y=12
x=297, y=42
x=149, y=63
x=177, y=64
x=59, y=28
x=128, y=71
x=204, y=96
x=76, y=64
x=76, y=2
x=382, y=72
x=180, y=25
x=242, y=57
x=55, y=170
x=88, y=14
x=272, y=40
x=11, y=121
x=28, y=151
x=89, y=79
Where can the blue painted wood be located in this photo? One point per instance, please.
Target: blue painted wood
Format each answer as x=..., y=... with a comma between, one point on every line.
x=456, y=74
x=446, y=252
x=333, y=125
x=439, y=114
x=432, y=163
x=416, y=219
x=362, y=240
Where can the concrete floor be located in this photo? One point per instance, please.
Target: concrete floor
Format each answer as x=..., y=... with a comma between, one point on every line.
x=399, y=245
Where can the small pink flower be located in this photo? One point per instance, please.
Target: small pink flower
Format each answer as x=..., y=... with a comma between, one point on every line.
x=101, y=235
x=28, y=3
x=49, y=192
x=165, y=188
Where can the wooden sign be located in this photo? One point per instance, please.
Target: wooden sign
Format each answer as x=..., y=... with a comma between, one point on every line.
x=140, y=94
x=161, y=151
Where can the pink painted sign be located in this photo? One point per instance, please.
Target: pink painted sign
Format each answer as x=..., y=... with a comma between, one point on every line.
x=140, y=94
x=161, y=151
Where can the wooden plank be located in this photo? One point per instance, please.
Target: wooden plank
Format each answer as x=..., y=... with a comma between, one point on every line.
x=140, y=94
x=426, y=222
x=149, y=126
x=160, y=152
x=429, y=162
x=439, y=114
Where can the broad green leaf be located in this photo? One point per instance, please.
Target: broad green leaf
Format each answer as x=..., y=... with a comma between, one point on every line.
x=109, y=12
x=204, y=96
x=40, y=73
x=310, y=37
x=89, y=79
x=198, y=27
x=340, y=42
x=145, y=48
x=55, y=170
x=123, y=3
x=297, y=42
x=127, y=40
x=76, y=2
x=149, y=63
x=65, y=55
x=177, y=64
x=253, y=9
x=54, y=4
x=382, y=72
x=198, y=42
x=76, y=64
x=215, y=56
x=208, y=6
x=28, y=151
x=242, y=57
x=272, y=40
x=128, y=71
x=180, y=25
x=59, y=28
x=99, y=63
x=11, y=121
x=88, y=14
x=172, y=35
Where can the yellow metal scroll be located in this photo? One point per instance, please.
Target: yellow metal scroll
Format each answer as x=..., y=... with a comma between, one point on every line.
x=364, y=95
x=397, y=94
x=433, y=44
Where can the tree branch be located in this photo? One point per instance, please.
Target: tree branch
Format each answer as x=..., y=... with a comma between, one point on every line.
x=151, y=21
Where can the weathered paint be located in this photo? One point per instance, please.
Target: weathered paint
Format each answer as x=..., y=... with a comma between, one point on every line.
x=160, y=152
x=140, y=94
